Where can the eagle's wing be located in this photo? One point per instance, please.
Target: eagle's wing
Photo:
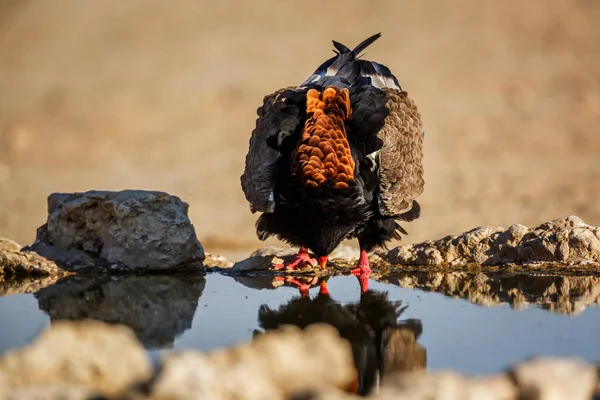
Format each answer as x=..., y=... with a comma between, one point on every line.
x=276, y=120
x=401, y=157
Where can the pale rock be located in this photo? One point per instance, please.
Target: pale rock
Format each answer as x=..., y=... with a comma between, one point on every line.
x=186, y=375
x=292, y=352
x=567, y=240
x=267, y=257
x=217, y=261
x=58, y=392
x=555, y=379
x=448, y=385
x=516, y=232
x=9, y=246
x=583, y=242
x=345, y=253
x=342, y=252
x=91, y=355
x=276, y=365
x=275, y=251
x=256, y=263
x=23, y=264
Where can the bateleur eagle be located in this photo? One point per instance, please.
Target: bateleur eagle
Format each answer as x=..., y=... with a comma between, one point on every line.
x=340, y=156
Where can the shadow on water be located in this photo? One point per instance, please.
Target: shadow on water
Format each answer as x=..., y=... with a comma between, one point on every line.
x=157, y=308
x=381, y=342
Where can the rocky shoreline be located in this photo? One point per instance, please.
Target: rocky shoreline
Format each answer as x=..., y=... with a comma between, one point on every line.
x=117, y=241
x=149, y=232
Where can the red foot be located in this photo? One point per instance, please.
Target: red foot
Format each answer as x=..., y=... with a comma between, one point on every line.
x=301, y=259
x=363, y=271
x=303, y=287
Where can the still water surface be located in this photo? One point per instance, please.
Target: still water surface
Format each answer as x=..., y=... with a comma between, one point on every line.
x=446, y=329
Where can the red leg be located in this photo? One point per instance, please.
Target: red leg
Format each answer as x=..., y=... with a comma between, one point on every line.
x=301, y=259
x=323, y=288
x=323, y=262
x=363, y=271
x=303, y=287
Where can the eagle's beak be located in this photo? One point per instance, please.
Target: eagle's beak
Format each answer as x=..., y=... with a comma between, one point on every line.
x=323, y=261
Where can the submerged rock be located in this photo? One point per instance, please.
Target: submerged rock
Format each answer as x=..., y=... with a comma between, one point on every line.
x=128, y=230
x=566, y=240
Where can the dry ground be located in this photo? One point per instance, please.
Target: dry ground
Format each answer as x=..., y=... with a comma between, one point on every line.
x=162, y=95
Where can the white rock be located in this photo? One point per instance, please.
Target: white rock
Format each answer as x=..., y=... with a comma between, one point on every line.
x=555, y=379
x=89, y=354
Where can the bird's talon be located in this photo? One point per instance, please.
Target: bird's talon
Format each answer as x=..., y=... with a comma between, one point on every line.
x=301, y=260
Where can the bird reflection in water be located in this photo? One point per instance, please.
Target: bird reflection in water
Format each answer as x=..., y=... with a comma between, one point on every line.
x=381, y=343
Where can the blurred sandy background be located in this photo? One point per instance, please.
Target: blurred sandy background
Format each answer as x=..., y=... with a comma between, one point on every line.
x=162, y=95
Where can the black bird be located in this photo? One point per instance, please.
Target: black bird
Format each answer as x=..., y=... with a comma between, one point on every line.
x=338, y=157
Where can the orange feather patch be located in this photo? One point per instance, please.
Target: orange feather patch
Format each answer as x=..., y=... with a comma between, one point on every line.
x=323, y=153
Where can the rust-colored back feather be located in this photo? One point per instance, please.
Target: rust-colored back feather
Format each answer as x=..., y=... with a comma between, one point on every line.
x=323, y=153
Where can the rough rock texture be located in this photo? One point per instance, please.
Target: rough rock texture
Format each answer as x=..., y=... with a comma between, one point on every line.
x=127, y=230
x=9, y=246
x=24, y=271
x=85, y=356
x=263, y=259
x=562, y=294
x=566, y=240
x=275, y=365
x=21, y=264
x=156, y=308
x=215, y=261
